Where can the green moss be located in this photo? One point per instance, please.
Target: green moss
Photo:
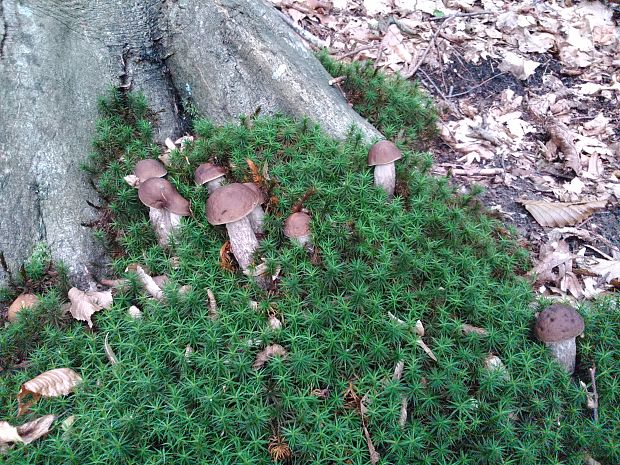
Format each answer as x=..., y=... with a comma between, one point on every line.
x=395, y=106
x=427, y=255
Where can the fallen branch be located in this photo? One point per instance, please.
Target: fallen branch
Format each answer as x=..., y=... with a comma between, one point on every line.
x=462, y=15
x=428, y=48
x=336, y=80
x=355, y=51
x=480, y=172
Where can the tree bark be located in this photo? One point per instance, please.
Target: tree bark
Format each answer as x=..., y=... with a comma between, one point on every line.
x=228, y=57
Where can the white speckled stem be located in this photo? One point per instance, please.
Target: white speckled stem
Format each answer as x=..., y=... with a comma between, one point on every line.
x=385, y=177
x=565, y=352
x=243, y=242
x=215, y=184
x=256, y=218
x=164, y=223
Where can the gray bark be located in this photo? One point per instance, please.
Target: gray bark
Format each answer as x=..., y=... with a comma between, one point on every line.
x=56, y=57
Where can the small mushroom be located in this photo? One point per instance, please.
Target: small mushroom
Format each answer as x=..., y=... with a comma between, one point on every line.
x=22, y=301
x=558, y=326
x=382, y=156
x=297, y=228
x=257, y=215
x=166, y=205
x=149, y=168
x=231, y=205
x=210, y=174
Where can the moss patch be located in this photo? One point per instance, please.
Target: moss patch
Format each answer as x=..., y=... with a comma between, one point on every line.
x=428, y=256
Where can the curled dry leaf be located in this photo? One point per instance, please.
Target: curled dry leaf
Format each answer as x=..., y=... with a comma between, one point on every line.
x=212, y=305
x=149, y=284
x=557, y=215
x=85, y=304
x=132, y=180
x=109, y=352
x=469, y=329
x=52, y=383
x=427, y=349
x=8, y=433
x=494, y=363
x=274, y=323
x=268, y=353
x=35, y=429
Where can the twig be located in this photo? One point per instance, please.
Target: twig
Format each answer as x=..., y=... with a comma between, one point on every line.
x=433, y=84
x=461, y=15
x=336, y=80
x=428, y=48
x=594, y=393
x=356, y=51
x=312, y=39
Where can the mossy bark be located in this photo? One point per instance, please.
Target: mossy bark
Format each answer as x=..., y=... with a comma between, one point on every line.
x=228, y=57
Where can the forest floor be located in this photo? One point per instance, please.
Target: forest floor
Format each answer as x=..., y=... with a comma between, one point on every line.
x=528, y=94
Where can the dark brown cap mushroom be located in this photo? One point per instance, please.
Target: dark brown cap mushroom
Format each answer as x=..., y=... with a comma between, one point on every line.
x=208, y=172
x=159, y=193
x=297, y=225
x=231, y=203
x=558, y=323
x=383, y=152
x=149, y=168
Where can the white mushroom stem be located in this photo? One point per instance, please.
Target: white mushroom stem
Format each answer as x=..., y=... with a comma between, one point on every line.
x=215, y=184
x=256, y=218
x=304, y=241
x=243, y=242
x=164, y=223
x=565, y=352
x=385, y=177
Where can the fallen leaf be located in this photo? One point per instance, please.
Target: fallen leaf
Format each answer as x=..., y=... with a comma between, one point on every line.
x=149, y=284
x=520, y=67
x=8, y=433
x=212, y=305
x=134, y=312
x=35, y=429
x=226, y=261
x=21, y=302
x=610, y=269
x=52, y=383
x=109, y=352
x=132, y=180
x=257, y=177
x=85, y=304
x=494, y=363
x=564, y=139
x=268, y=353
x=469, y=329
x=557, y=215
x=426, y=349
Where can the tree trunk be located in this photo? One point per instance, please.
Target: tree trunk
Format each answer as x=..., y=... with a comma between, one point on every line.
x=229, y=57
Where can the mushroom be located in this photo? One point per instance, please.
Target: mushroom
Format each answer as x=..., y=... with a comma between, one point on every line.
x=297, y=228
x=558, y=326
x=166, y=205
x=22, y=301
x=210, y=174
x=382, y=156
x=231, y=205
x=257, y=215
x=149, y=168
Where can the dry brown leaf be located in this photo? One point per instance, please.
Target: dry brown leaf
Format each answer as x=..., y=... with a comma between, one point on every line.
x=149, y=284
x=212, y=305
x=257, y=177
x=267, y=353
x=85, y=304
x=52, y=383
x=609, y=269
x=557, y=215
x=469, y=329
x=8, y=433
x=132, y=180
x=426, y=349
x=134, y=312
x=35, y=429
x=564, y=139
x=109, y=352
x=226, y=261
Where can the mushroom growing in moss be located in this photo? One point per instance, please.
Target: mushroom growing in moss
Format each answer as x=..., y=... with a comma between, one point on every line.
x=149, y=168
x=297, y=228
x=166, y=207
x=382, y=156
x=558, y=326
x=257, y=215
x=231, y=205
x=209, y=174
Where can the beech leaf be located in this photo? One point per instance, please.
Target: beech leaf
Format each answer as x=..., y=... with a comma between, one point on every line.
x=52, y=383
x=610, y=269
x=557, y=215
x=8, y=433
x=268, y=353
x=85, y=304
x=35, y=429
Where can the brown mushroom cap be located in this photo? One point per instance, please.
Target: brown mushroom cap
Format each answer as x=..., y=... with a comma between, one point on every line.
x=23, y=301
x=558, y=322
x=297, y=225
x=256, y=190
x=208, y=172
x=383, y=152
x=230, y=203
x=159, y=193
x=149, y=168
